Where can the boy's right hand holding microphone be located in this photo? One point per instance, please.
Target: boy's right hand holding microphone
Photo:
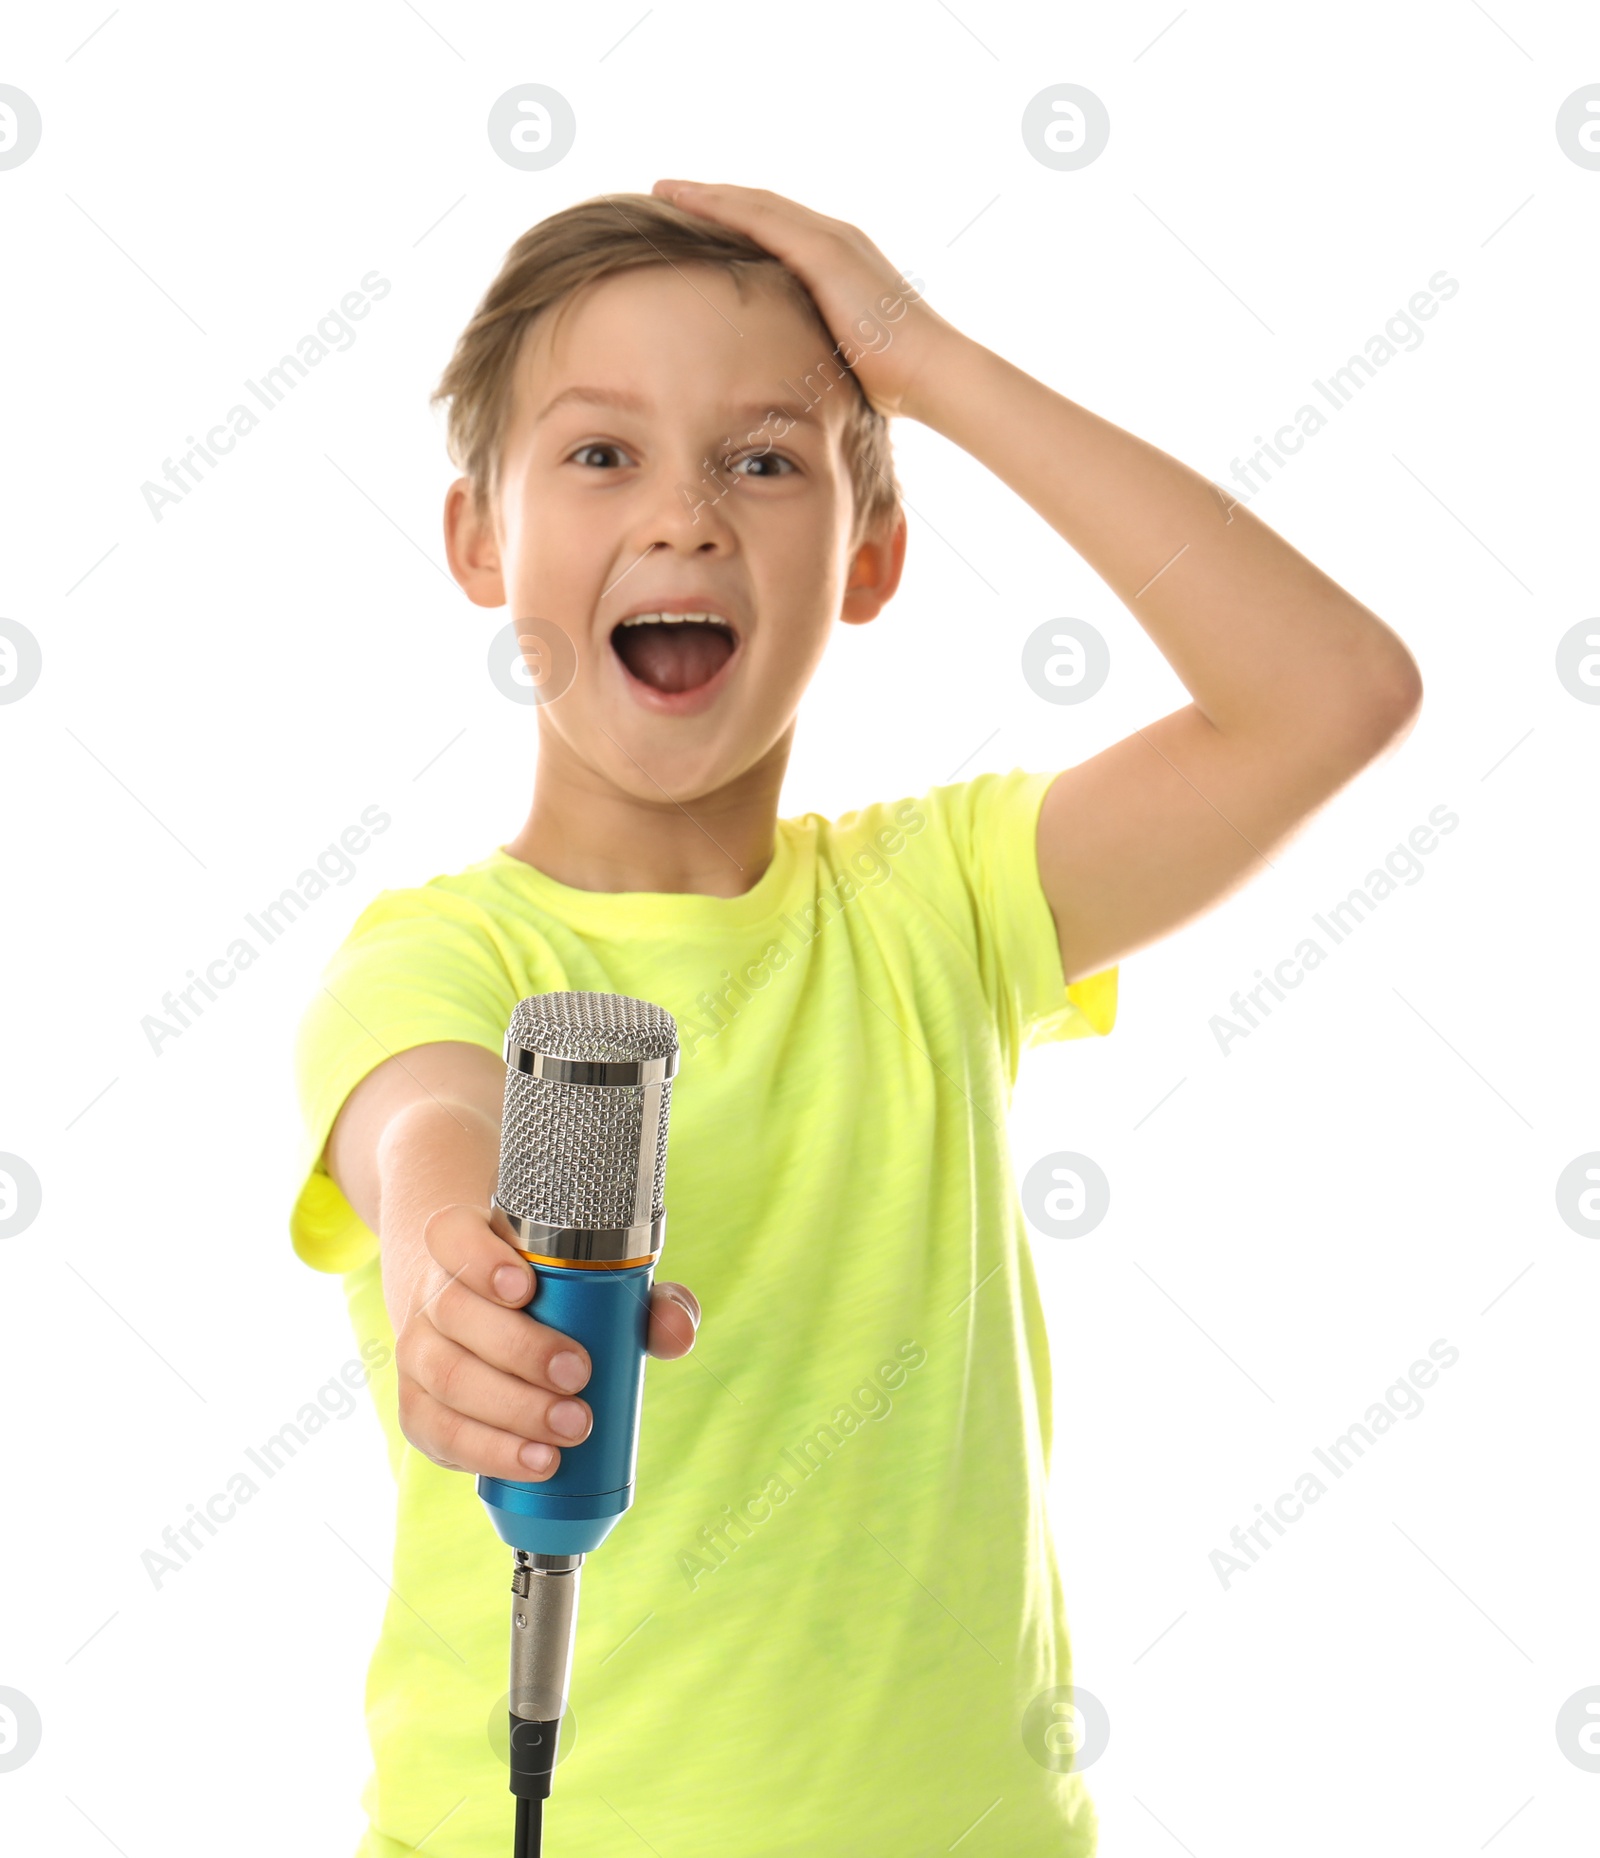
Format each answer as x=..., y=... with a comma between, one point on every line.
x=484, y=1388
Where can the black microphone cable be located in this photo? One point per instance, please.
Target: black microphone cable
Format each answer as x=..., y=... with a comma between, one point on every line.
x=530, y=1823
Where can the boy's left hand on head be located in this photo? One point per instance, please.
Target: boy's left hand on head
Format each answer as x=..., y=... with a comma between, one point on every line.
x=886, y=334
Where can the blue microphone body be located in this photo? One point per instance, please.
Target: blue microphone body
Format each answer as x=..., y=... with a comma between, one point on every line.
x=572, y=1512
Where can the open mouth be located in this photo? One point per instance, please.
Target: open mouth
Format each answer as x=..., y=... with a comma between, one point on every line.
x=673, y=652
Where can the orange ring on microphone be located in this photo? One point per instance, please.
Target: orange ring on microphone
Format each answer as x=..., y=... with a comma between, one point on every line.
x=589, y=1264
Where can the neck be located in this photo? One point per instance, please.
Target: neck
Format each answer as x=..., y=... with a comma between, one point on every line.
x=589, y=834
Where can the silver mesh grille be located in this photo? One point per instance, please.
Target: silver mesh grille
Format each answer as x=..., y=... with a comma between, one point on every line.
x=598, y=1028
x=569, y=1153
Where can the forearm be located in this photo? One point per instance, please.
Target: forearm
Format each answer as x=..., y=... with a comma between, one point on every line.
x=1263, y=640
x=432, y=1154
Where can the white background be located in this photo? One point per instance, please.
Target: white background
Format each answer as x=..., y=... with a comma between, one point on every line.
x=224, y=691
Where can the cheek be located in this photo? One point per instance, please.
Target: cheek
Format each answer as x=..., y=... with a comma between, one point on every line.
x=801, y=546
x=796, y=640
x=557, y=550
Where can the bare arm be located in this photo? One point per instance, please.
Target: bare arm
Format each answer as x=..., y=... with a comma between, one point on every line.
x=415, y=1149
x=1297, y=686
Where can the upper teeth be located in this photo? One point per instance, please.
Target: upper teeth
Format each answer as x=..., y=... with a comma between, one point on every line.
x=672, y=619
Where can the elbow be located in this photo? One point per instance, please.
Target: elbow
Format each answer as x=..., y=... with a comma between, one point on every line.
x=1397, y=699
x=1382, y=708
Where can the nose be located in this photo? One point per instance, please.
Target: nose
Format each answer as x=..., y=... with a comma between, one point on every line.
x=685, y=510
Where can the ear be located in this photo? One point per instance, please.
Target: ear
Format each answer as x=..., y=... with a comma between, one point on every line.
x=471, y=546
x=874, y=575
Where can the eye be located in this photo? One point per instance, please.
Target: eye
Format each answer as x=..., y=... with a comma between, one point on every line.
x=764, y=459
x=585, y=453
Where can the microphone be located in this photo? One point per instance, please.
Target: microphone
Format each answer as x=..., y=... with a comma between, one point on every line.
x=583, y=1162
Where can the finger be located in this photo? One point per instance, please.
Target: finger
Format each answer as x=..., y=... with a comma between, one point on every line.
x=456, y=1442
x=458, y=1379
x=674, y=1318
x=464, y=1242
x=753, y=199
x=510, y=1340
x=765, y=216
x=672, y=190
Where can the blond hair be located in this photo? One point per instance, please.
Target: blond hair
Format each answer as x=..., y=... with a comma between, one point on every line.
x=597, y=238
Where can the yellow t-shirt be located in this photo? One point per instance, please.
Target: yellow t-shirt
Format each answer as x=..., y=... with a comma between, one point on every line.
x=819, y=1627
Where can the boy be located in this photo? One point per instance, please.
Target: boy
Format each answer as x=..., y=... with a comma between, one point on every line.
x=824, y=1624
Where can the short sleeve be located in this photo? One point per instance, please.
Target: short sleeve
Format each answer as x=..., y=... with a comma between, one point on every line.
x=991, y=826
x=418, y=967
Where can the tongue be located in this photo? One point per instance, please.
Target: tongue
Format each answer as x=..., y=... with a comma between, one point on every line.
x=674, y=657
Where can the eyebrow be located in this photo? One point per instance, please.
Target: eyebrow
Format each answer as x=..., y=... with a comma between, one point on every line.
x=621, y=401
